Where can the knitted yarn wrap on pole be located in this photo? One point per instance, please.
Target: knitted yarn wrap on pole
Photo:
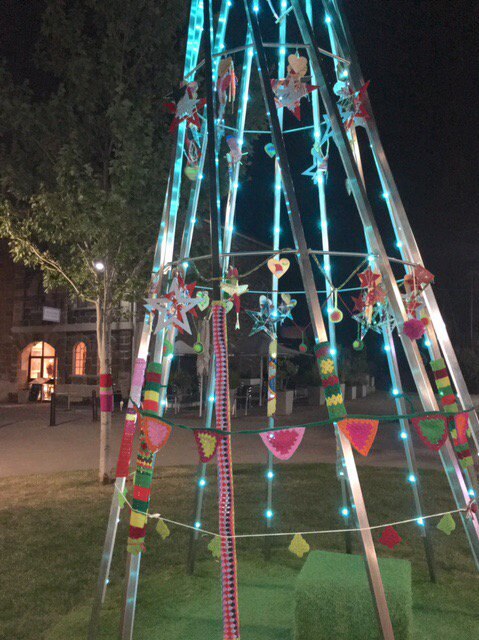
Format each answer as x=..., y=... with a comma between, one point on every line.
x=231, y=629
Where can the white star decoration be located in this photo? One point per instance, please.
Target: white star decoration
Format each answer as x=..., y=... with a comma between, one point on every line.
x=172, y=308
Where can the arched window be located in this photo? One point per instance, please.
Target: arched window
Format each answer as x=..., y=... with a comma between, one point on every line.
x=79, y=359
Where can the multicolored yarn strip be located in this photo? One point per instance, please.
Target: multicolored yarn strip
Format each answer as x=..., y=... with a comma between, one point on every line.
x=272, y=364
x=126, y=447
x=231, y=627
x=106, y=392
x=449, y=402
x=330, y=381
x=144, y=467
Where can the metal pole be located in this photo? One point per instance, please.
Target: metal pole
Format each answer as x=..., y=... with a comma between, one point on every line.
x=53, y=409
x=425, y=390
x=399, y=219
x=323, y=212
x=372, y=565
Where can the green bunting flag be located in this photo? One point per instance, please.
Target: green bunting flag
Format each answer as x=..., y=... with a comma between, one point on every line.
x=446, y=524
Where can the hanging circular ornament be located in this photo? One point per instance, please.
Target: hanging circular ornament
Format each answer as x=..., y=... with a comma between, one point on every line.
x=198, y=347
x=336, y=315
x=303, y=347
x=358, y=345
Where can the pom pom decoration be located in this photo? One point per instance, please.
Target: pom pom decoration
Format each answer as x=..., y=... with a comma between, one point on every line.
x=358, y=345
x=414, y=329
x=303, y=347
x=336, y=315
x=198, y=347
x=390, y=538
x=299, y=546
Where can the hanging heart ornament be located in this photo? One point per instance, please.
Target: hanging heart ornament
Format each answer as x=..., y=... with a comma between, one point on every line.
x=298, y=65
x=204, y=300
x=278, y=267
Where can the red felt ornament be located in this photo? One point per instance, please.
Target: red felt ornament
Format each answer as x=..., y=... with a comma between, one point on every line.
x=390, y=538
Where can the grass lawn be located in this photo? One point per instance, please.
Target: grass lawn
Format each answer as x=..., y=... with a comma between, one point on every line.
x=52, y=530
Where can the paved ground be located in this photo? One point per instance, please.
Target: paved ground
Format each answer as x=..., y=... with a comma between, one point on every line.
x=28, y=445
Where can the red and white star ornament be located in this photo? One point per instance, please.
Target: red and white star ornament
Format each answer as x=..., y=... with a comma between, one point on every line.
x=187, y=108
x=171, y=309
x=289, y=92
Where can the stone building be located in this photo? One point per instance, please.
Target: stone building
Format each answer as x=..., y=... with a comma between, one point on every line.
x=47, y=336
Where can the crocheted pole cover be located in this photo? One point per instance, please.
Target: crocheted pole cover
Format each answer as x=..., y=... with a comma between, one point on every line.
x=330, y=381
x=231, y=629
x=126, y=447
x=106, y=393
x=144, y=466
x=272, y=360
x=448, y=401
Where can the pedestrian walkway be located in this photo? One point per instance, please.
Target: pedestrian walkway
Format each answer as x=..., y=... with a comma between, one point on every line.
x=28, y=445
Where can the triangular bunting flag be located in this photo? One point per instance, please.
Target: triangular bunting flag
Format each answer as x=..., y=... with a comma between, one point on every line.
x=446, y=524
x=162, y=529
x=283, y=443
x=215, y=547
x=360, y=432
x=299, y=546
x=432, y=430
x=390, y=537
x=156, y=432
x=207, y=443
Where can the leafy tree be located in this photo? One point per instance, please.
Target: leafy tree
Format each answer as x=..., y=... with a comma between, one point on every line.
x=83, y=162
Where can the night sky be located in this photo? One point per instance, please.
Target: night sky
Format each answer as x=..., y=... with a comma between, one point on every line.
x=421, y=59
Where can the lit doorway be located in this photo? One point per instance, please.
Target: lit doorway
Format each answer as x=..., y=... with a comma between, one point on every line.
x=42, y=370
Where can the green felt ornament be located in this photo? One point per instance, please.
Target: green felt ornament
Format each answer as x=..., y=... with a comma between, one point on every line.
x=122, y=499
x=162, y=529
x=215, y=547
x=299, y=546
x=358, y=345
x=446, y=524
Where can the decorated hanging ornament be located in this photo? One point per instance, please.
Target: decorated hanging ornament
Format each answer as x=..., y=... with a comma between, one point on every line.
x=289, y=92
x=351, y=104
x=270, y=150
x=358, y=345
x=268, y=317
x=390, y=538
x=187, y=108
x=234, y=154
x=198, y=346
x=227, y=81
x=171, y=309
x=204, y=300
x=234, y=290
x=299, y=546
x=278, y=267
x=297, y=65
x=193, y=153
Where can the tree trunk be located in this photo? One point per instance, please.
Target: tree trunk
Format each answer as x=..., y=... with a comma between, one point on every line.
x=104, y=357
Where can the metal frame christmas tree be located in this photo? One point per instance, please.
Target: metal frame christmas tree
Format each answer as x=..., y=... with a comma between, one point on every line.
x=198, y=130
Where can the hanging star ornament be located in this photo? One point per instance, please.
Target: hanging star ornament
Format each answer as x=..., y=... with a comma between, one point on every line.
x=171, y=309
x=234, y=290
x=187, y=107
x=289, y=92
x=268, y=317
x=319, y=168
